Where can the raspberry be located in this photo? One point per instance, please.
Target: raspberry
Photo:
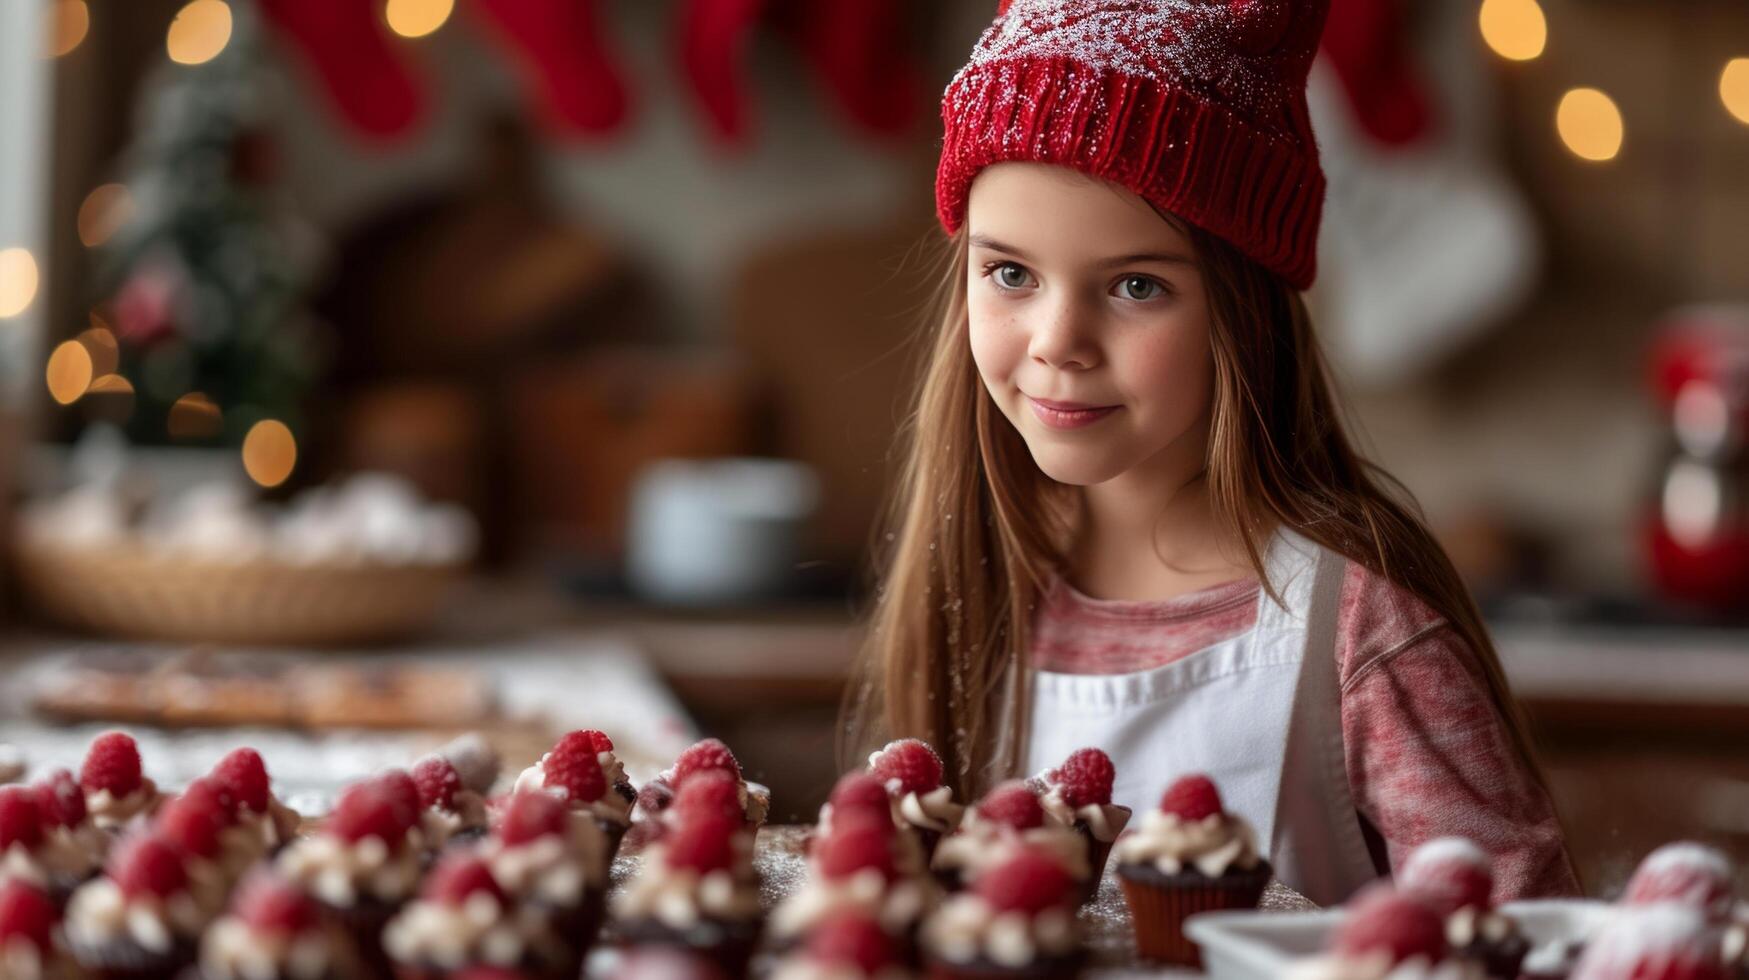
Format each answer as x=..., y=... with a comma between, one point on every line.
x=578, y=774
x=146, y=864
x=112, y=763
x=1029, y=882
x=1383, y=919
x=243, y=776
x=708, y=754
x=26, y=914
x=655, y=796
x=853, y=939
x=21, y=820
x=1449, y=874
x=704, y=843
x=530, y=816
x=857, y=842
x=367, y=810
x=1192, y=798
x=1012, y=805
x=271, y=904
x=1085, y=778
x=712, y=791
x=192, y=822
x=907, y=766
x=1666, y=941
x=459, y=877
x=60, y=800
x=584, y=740
x=860, y=791
x=403, y=792
x=438, y=780
x=210, y=794
x=1685, y=873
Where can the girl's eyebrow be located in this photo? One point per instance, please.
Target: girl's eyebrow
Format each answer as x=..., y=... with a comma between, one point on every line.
x=986, y=242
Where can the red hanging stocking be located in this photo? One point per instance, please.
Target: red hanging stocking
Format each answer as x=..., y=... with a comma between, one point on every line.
x=559, y=46
x=1368, y=46
x=347, y=45
x=713, y=37
x=861, y=49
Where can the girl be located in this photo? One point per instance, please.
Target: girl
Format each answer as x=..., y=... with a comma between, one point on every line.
x=1130, y=516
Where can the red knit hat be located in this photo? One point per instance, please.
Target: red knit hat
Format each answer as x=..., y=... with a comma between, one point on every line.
x=1198, y=106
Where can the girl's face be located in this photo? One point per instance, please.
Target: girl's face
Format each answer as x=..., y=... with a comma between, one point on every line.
x=1089, y=322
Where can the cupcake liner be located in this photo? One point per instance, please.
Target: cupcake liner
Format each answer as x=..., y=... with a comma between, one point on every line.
x=729, y=944
x=1500, y=961
x=927, y=839
x=1159, y=907
x=363, y=923
x=130, y=961
x=1048, y=968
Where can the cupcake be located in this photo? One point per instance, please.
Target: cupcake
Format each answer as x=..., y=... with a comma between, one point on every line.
x=550, y=864
x=1666, y=941
x=116, y=789
x=194, y=823
x=847, y=946
x=1453, y=876
x=1016, y=920
x=1188, y=856
x=73, y=849
x=140, y=920
x=1008, y=817
x=1686, y=873
x=260, y=825
x=449, y=812
x=273, y=931
x=696, y=891
x=856, y=868
x=710, y=755
x=660, y=963
x=1388, y=935
x=362, y=866
x=582, y=771
x=1077, y=795
x=28, y=920
x=912, y=774
x=463, y=918
x=21, y=837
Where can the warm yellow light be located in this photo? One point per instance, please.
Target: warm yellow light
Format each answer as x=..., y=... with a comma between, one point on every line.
x=269, y=453
x=105, y=210
x=69, y=22
x=200, y=31
x=101, y=345
x=1590, y=124
x=18, y=281
x=417, y=18
x=1515, y=29
x=194, y=416
x=1734, y=88
x=69, y=372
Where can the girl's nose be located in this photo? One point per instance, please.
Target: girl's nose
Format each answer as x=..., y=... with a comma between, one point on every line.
x=1063, y=339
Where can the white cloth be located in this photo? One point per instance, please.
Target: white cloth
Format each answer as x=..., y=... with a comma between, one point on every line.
x=1259, y=713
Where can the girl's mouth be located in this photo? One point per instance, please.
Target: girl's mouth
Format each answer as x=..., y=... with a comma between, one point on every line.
x=1068, y=415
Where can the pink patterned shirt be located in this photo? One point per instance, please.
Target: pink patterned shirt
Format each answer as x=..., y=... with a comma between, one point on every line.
x=1428, y=755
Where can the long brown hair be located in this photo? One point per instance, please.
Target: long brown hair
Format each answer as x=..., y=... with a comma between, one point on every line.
x=976, y=530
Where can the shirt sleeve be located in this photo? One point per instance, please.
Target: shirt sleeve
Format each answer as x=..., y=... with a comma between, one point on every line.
x=1429, y=756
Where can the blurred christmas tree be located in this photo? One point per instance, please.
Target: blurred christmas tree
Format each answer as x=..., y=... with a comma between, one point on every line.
x=202, y=282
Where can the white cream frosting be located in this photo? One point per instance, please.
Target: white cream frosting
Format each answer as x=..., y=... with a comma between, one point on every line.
x=1211, y=845
x=72, y=852
x=1468, y=923
x=611, y=806
x=1104, y=820
x=551, y=869
x=479, y=930
x=20, y=863
x=110, y=812
x=1378, y=966
x=99, y=913
x=231, y=950
x=980, y=844
x=968, y=927
x=934, y=810
x=340, y=873
x=896, y=905
x=440, y=824
x=680, y=898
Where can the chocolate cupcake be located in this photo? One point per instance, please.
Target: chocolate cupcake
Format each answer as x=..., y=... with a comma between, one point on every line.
x=1016, y=920
x=696, y=891
x=1077, y=795
x=1455, y=877
x=922, y=803
x=362, y=866
x=1188, y=856
x=463, y=918
x=450, y=814
x=847, y=946
x=550, y=865
x=26, y=854
x=583, y=771
x=117, y=791
x=1008, y=817
x=1388, y=935
x=72, y=849
x=139, y=921
x=651, y=817
x=28, y=920
x=857, y=869
x=260, y=825
x=273, y=931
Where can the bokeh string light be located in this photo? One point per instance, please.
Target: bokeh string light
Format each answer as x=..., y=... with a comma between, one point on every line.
x=69, y=373
x=195, y=416
x=1734, y=88
x=105, y=210
x=18, y=281
x=1590, y=124
x=270, y=453
x=69, y=21
x=1515, y=29
x=417, y=18
x=199, y=33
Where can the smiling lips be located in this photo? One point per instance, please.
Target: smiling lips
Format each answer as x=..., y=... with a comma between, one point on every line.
x=1068, y=415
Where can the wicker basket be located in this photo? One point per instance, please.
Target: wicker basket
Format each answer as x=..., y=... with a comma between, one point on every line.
x=127, y=591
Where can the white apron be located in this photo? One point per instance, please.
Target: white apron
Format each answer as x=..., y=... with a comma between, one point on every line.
x=1258, y=712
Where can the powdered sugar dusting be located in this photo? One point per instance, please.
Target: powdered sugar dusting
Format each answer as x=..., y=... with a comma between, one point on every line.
x=1649, y=938
x=1688, y=856
x=1444, y=851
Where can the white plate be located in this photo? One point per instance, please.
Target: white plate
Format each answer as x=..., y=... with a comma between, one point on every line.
x=1261, y=945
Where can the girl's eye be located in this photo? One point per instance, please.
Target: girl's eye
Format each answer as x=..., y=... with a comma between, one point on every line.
x=1011, y=276
x=1140, y=288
